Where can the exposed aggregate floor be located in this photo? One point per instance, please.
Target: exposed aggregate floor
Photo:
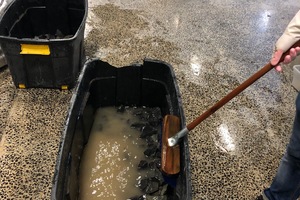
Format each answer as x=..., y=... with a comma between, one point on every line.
x=213, y=46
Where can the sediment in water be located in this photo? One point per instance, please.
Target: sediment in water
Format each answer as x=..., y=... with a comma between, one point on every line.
x=122, y=157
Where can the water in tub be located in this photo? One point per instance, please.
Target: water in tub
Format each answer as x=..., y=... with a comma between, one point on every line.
x=109, y=163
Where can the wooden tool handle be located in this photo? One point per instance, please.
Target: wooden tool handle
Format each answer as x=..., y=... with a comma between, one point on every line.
x=237, y=91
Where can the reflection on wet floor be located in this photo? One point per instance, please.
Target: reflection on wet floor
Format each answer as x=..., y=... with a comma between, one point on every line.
x=213, y=46
x=225, y=141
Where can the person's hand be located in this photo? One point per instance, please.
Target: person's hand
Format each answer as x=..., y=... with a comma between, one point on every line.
x=287, y=59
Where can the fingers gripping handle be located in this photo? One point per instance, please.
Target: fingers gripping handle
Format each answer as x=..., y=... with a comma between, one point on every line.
x=297, y=44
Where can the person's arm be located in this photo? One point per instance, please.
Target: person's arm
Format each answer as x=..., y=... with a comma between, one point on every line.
x=290, y=36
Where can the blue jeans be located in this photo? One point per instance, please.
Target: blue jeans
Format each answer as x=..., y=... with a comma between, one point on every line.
x=286, y=184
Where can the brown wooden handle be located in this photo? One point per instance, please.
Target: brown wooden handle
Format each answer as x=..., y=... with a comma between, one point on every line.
x=237, y=91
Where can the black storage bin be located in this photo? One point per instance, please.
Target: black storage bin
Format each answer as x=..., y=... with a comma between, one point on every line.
x=43, y=42
x=151, y=84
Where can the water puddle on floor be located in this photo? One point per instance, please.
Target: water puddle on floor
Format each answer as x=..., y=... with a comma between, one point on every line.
x=109, y=166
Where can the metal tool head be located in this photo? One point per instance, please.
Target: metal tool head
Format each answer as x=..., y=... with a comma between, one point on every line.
x=172, y=141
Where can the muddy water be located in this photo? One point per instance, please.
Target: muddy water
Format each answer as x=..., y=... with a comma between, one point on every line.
x=110, y=159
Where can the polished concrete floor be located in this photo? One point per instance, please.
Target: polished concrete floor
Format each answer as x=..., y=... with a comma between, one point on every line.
x=213, y=46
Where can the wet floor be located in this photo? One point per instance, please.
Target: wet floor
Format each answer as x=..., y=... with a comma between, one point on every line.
x=213, y=46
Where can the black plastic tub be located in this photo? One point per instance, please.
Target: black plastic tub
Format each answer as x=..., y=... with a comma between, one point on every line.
x=43, y=42
x=151, y=84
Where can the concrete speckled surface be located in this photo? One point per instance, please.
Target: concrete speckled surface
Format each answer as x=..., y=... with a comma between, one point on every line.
x=31, y=125
x=213, y=46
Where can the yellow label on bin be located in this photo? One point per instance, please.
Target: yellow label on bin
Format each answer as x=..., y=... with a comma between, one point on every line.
x=22, y=86
x=36, y=49
x=64, y=87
